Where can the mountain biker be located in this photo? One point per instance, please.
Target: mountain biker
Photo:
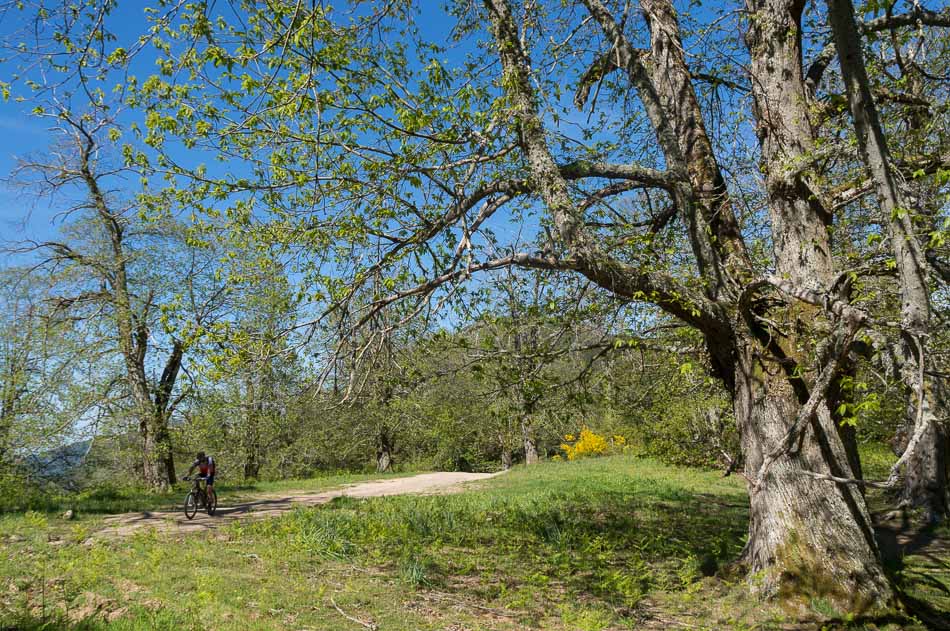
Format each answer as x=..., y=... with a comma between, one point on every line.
x=205, y=466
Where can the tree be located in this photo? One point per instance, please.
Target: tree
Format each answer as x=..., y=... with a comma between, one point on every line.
x=535, y=339
x=260, y=356
x=109, y=269
x=36, y=358
x=379, y=378
x=925, y=455
x=18, y=348
x=56, y=383
x=124, y=252
x=518, y=347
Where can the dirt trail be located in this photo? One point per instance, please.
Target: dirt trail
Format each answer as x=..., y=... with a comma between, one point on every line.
x=174, y=521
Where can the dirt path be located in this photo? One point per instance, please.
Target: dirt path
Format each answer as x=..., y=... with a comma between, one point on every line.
x=174, y=521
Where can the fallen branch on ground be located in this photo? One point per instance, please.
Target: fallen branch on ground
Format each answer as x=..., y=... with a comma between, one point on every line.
x=369, y=625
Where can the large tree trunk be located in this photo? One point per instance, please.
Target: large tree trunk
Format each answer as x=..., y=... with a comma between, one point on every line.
x=925, y=476
x=158, y=465
x=925, y=482
x=808, y=538
x=800, y=530
x=800, y=222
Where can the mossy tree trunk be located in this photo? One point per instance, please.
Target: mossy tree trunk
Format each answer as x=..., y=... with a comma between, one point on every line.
x=808, y=538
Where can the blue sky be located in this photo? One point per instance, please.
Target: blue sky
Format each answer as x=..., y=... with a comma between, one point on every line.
x=22, y=213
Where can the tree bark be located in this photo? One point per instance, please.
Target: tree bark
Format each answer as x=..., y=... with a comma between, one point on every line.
x=807, y=539
x=529, y=441
x=384, y=451
x=800, y=223
x=925, y=478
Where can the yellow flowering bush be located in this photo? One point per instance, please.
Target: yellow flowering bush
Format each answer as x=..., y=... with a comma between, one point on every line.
x=589, y=444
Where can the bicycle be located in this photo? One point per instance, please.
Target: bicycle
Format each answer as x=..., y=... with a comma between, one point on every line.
x=199, y=497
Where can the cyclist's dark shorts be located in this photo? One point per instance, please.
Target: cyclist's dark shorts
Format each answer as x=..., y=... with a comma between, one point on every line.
x=209, y=479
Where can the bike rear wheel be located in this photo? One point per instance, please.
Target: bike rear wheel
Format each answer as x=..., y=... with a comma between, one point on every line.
x=212, y=501
x=191, y=505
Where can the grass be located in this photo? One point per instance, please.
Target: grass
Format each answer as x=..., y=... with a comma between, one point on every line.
x=609, y=543
x=110, y=500
x=918, y=558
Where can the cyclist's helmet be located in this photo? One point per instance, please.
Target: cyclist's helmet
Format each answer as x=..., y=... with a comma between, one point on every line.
x=201, y=457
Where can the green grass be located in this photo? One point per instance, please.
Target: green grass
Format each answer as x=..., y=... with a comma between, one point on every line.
x=876, y=460
x=920, y=560
x=610, y=543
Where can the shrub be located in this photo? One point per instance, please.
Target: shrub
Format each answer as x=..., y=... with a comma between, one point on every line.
x=589, y=444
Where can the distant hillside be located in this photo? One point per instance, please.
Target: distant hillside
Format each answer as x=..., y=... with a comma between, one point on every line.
x=59, y=465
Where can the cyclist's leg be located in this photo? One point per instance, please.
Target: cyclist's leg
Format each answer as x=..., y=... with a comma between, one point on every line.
x=209, y=488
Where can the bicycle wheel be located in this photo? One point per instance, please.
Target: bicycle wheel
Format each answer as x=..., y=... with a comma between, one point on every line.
x=191, y=505
x=212, y=501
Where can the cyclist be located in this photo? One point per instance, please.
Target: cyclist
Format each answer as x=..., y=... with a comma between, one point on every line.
x=205, y=466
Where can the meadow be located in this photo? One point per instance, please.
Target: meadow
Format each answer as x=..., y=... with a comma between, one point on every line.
x=609, y=543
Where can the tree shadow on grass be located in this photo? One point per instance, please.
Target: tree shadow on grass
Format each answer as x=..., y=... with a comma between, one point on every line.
x=910, y=555
x=610, y=546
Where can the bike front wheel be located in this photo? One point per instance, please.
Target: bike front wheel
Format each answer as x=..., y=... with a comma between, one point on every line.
x=212, y=501
x=191, y=505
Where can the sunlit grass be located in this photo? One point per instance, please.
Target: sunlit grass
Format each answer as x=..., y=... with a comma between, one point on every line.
x=608, y=543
